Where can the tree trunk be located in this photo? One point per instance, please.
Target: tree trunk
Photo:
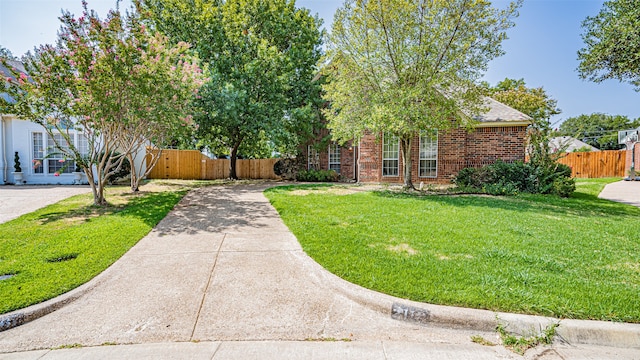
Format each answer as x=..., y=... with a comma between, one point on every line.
x=232, y=161
x=135, y=178
x=407, y=165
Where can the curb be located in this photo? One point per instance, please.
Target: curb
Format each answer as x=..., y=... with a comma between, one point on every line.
x=573, y=332
x=33, y=312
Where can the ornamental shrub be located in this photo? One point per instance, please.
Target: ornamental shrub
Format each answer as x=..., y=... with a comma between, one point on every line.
x=564, y=186
x=503, y=178
x=318, y=175
x=16, y=163
x=286, y=168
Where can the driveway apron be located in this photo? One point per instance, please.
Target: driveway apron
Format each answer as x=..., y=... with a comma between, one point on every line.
x=19, y=200
x=221, y=266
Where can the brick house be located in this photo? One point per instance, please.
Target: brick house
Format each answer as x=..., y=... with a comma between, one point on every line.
x=437, y=155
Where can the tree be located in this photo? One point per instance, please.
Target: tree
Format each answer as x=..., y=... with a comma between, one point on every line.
x=612, y=43
x=597, y=129
x=403, y=66
x=114, y=81
x=536, y=103
x=6, y=54
x=261, y=57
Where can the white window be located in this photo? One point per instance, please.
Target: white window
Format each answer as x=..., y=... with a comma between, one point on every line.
x=428, y=154
x=48, y=159
x=334, y=157
x=390, y=155
x=38, y=153
x=55, y=159
x=83, y=144
x=313, y=158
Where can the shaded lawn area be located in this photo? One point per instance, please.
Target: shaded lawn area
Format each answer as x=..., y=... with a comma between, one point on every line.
x=567, y=258
x=64, y=245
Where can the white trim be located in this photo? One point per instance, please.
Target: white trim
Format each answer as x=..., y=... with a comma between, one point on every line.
x=31, y=153
x=3, y=152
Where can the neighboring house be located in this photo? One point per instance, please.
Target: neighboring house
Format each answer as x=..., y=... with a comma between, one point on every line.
x=569, y=144
x=438, y=156
x=36, y=149
x=38, y=157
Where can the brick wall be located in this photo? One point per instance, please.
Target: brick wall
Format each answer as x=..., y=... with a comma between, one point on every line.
x=457, y=149
x=370, y=158
x=629, y=159
x=348, y=155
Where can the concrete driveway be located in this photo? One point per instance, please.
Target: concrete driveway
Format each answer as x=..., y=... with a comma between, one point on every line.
x=222, y=274
x=19, y=200
x=627, y=192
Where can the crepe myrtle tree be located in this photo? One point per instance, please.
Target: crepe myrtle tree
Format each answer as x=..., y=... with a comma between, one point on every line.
x=119, y=84
x=403, y=66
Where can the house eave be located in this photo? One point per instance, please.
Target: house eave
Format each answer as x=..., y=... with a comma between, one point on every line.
x=502, y=124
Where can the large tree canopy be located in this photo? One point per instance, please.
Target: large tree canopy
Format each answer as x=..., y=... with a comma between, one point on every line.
x=261, y=57
x=402, y=66
x=612, y=43
x=119, y=84
x=540, y=106
x=597, y=129
x=534, y=102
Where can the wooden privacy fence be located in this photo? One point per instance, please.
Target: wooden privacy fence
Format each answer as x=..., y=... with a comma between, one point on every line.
x=596, y=164
x=192, y=165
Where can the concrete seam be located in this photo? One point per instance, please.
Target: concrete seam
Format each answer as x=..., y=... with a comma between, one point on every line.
x=384, y=350
x=217, y=349
x=204, y=294
x=45, y=354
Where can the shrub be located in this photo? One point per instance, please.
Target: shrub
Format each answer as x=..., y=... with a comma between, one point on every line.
x=474, y=177
x=16, y=163
x=318, y=175
x=501, y=188
x=465, y=177
x=503, y=178
x=286, y=168
x=564, y=186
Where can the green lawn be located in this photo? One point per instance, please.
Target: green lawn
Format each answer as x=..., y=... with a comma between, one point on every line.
x=567, y=258
x=62, y=246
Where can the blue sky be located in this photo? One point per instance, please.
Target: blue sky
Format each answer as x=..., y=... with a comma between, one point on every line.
x=541, y=48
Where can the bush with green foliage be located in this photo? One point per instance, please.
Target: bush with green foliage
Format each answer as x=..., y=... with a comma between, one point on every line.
x=287, y=168
x=318, y=175
x=16, y=163
x=503, y=178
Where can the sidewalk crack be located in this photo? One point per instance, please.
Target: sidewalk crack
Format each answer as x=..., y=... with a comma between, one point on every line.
x=206, y=289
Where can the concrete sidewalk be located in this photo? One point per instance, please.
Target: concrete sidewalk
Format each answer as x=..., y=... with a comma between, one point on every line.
x=627, y=192
x=292, y=350
x=223, y=270
x=19, y=200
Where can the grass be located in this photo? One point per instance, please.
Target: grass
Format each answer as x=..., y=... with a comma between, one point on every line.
x=64, y=245
x=520, y=344
x=567, y=258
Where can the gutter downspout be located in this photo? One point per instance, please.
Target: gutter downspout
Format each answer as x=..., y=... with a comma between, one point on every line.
x=4, y=153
